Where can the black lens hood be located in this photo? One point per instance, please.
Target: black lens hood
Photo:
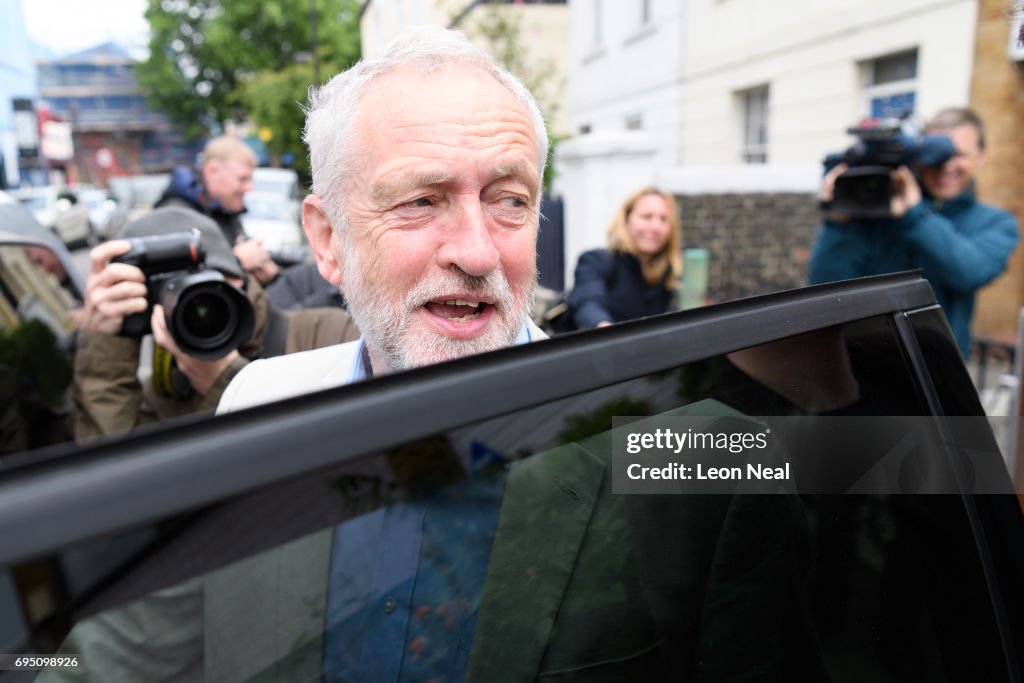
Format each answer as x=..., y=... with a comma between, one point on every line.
x=231, y=325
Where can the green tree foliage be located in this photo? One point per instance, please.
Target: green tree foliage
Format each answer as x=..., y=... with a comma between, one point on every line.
x=274, y=100
x=212, y=61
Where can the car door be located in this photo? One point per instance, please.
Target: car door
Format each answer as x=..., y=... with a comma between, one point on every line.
x=479, y=518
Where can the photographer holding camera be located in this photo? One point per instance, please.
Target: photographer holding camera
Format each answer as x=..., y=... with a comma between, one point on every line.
x=174, y=273
x=217, y=189
x=934, y=223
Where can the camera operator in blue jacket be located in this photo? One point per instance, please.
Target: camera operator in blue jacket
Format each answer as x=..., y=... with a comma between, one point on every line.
x=936, y=223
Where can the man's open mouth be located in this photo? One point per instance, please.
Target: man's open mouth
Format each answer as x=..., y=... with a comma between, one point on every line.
x=457, y=310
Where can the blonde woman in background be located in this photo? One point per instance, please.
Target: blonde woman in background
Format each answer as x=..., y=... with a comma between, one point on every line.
x=639, y=272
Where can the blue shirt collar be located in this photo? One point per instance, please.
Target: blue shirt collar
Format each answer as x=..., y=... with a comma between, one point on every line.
x=362, y=369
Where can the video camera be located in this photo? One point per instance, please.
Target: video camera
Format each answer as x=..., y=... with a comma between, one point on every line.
x=865, y=189
x=207, y=317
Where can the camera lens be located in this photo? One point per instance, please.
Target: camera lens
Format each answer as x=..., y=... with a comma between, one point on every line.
x=872, y=190
x=207, y=315
x=863, y=192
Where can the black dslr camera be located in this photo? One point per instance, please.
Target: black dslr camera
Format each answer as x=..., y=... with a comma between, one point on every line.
x=865, y=189
x=207, y=317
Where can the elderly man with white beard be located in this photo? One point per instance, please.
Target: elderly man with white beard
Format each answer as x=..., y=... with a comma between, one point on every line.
x=426, y=175
x=427, y=167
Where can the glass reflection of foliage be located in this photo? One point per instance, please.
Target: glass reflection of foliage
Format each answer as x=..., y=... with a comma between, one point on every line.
x=426, y=465
x=34, y=379
x=41, y=367
x=695, y=382
x=579, y=427
x=417, y=468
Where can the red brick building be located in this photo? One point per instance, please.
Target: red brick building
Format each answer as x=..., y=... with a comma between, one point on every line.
x=997, y=94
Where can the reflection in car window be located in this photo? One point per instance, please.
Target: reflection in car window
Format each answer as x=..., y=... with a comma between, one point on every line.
x=497, y=551
x=36, y=326
x=33, y=284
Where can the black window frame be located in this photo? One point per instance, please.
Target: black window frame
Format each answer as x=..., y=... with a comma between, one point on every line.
x=65, y=494
x=53, y=498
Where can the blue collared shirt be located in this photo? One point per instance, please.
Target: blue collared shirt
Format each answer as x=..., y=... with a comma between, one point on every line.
x=405, y=585
x=361, y=368
x=405, y=581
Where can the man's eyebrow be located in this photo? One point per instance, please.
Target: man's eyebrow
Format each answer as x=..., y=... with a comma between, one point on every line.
x=394, y=185
x=520, y=170
x=388, y=188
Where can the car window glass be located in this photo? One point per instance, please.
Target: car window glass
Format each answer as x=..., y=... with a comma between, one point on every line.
x=497, y=550
x=37, y=310
x=954, y=386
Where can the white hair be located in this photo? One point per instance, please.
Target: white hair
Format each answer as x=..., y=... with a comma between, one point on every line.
x=332, y=111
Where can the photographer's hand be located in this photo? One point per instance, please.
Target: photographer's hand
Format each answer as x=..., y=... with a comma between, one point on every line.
x=906, y=194
x=112, y=290
x=202, y=374
x=256, y=260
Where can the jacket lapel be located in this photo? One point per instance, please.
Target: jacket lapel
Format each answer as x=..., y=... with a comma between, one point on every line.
x=545, y=512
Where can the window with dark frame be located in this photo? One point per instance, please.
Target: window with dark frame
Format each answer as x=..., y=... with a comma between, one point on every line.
x=851, y=563
x=754, y=125
x=890, y=84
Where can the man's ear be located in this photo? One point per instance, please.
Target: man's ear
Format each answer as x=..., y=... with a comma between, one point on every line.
x=322, y=239
x=208, y=170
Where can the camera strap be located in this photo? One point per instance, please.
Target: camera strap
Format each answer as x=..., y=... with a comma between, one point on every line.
x=167, y=379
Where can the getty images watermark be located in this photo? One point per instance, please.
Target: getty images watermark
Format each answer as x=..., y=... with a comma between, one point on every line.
x=737, y=454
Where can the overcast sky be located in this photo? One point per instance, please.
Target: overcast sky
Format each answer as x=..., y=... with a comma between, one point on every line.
x=65, y=26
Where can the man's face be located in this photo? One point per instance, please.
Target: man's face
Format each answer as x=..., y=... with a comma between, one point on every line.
x=440, y=258
x=46, y=260
x=227, y=182
x=954, y=177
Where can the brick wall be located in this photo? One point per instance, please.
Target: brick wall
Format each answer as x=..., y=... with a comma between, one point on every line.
x=758, y=243
x=997, y=94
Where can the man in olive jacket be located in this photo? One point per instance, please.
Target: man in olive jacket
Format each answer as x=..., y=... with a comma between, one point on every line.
x=113, y=387
x=545, y=573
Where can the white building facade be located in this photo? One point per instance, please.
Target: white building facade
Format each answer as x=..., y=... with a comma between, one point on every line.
x=545, y=29
x=741, y=96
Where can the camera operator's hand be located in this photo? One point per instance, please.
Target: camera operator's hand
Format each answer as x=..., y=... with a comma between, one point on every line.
x=828, y=188
x=828, y=183
x=256, y=260
x=202, y=374
x=112, y=290
x=906, y=193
